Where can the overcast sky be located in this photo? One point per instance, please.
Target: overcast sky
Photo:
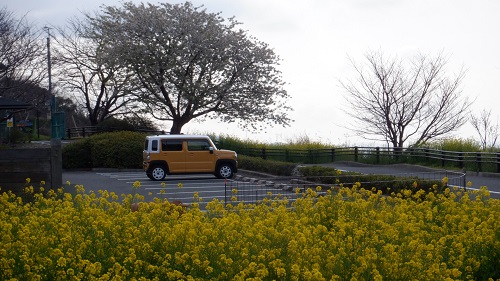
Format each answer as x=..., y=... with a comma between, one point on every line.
x=314, y=39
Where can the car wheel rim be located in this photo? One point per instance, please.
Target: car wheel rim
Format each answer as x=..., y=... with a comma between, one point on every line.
x=158, y=173
x=225, y=171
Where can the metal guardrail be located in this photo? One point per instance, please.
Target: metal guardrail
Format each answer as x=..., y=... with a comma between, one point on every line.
x=472, y=161
x=250, y=190
x=87, y=131
x=81, y=132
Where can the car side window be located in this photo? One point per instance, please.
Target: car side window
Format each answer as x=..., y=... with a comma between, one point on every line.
x=154, y=145
x=198, y=145
x=171, y=145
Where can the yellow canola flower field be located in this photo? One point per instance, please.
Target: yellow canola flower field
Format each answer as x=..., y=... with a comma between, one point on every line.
x=348, y=234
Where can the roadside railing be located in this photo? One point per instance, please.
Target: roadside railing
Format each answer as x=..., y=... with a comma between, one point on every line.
x=87, y=131
x=80, y=132
x=471, y=161
x=254, y=191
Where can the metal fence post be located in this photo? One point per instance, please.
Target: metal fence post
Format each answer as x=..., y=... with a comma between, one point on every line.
x=332, y=155
x=498, y=162
x=355, y=154
x=478, y=159
x=378, y=154
x=55, y=164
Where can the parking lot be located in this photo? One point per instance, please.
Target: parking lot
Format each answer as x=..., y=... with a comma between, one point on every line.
x=187, y=189
x=207, y=187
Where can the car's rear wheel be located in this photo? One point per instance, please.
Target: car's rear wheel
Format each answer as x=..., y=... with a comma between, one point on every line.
x=224, y=171
x=158, y=173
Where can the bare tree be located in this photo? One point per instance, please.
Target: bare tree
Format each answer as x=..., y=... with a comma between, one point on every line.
x=22, y=59
x=488, y=132
x=99, y=86
x=194, y=64
x=396, y=104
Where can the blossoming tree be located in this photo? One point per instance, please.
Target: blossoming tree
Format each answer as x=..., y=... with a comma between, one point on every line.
x=193, y=64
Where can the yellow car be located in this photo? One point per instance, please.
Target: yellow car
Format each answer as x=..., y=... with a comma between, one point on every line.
x=186, y=154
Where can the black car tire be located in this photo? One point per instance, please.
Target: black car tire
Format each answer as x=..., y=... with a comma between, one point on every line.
x=158, y=173
x=224, y=171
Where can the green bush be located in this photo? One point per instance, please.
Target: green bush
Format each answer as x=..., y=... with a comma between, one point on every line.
x=266, y=166
x=386, y=183
x=77, y=155
x=233, y=143
x=454, y=144
x=107, y=150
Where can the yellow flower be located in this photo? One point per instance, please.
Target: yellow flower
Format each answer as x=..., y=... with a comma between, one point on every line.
x=28, y=180
x=61, y=262
x=136, y=184
x=163, y=184
x=179, y=185
x=469, y=184
x=68, y=182
x=445, y=180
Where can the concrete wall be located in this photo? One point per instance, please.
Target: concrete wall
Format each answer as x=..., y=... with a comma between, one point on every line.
x=38, y=164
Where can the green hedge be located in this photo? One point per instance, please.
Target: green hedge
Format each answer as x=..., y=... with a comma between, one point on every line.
x=386, y=183
x=107, y=150
x=258, y=164
x=77, y=155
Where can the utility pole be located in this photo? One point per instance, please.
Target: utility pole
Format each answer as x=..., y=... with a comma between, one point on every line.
x=53, y=116
x=55, y=143
x=49, y=66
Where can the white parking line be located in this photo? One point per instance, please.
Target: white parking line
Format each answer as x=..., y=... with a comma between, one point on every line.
x=491, y=191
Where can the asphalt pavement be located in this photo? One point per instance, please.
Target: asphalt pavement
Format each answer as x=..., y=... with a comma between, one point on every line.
x=121, y=181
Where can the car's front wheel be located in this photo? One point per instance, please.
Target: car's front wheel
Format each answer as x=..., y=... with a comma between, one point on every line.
x=158, y=173
x=224, y=171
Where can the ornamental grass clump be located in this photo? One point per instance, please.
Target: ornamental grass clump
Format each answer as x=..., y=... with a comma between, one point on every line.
x=347, y=234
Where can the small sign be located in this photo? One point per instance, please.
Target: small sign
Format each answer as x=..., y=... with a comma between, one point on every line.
x=10, y=123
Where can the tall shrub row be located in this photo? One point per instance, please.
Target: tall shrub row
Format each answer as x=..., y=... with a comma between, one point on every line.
x=108, y=150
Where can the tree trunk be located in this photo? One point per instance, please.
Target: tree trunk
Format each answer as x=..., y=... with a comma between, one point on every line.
x=177, y=125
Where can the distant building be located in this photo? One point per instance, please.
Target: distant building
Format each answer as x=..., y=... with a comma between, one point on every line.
x=8, y=108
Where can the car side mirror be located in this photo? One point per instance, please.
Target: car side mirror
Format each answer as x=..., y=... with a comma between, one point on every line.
x=211, y=149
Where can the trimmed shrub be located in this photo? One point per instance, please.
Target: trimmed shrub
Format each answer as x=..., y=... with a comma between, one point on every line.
x=107, y=150
x=117, y=149
x=385, y=183
x=266, y=166
x=77, y=155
